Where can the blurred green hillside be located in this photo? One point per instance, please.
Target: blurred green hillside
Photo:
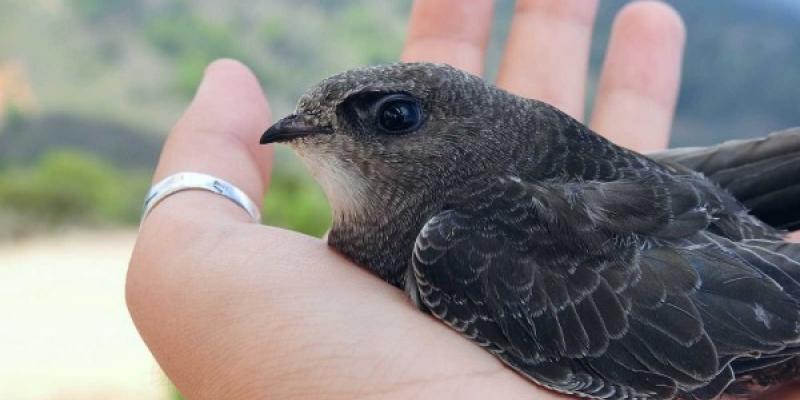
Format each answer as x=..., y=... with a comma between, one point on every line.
x=102, y=81
x=109, y=78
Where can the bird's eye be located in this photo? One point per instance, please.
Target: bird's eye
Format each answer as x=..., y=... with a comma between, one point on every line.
x=398, y=113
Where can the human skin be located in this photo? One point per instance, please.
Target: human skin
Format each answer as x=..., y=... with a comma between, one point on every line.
x=237, y=310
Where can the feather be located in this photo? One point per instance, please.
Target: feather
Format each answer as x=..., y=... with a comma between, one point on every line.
x=761, y=173
x=632, y=316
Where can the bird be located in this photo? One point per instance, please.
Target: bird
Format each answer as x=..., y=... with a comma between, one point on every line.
x=588, y=268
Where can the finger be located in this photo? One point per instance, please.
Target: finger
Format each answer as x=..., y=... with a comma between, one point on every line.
x=641, y=75
x=447, y=31
x=547, y=53
x=218, y=135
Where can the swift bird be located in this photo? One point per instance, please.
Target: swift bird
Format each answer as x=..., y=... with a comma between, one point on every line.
x=586, y=267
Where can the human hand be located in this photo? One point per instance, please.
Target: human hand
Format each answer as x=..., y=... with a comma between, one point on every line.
x=232, y=309
x=236, y=310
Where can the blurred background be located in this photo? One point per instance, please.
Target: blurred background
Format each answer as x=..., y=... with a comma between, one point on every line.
x=89, y=88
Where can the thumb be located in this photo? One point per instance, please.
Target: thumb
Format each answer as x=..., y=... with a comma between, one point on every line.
x=219, y=132
x=229, y=99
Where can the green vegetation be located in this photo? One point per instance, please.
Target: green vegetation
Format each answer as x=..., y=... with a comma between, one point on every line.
x=100, y=10
x=191, y=42
x=126, y=71
x=68, y=187
x=296, y=203
x=13, y=115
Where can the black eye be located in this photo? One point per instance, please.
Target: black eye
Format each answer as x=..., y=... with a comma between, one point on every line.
x=398, y=113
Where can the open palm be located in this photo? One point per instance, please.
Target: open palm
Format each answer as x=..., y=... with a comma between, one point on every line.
x=237, y=310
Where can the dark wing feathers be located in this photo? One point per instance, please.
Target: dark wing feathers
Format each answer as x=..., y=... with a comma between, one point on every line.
x=761, y=173
x=778, y=208
x=733, y=154
x=716, y=386
x=612, y=290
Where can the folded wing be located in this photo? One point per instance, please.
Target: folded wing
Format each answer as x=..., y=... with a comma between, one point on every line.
x=762, y=173
x=617, y=290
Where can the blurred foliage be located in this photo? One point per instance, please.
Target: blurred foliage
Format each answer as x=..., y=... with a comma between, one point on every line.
x=163, y=46
x=13, y=115
x=68, y=187
x=102, y=10
x=127, y=68
x=296, y=203
x=192, y=42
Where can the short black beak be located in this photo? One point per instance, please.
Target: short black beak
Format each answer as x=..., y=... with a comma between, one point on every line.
x=292, y=127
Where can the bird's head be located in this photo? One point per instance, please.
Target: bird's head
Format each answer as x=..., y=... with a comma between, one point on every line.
x=399, y=130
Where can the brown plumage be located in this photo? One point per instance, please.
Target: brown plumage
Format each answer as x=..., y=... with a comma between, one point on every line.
x=589, y=268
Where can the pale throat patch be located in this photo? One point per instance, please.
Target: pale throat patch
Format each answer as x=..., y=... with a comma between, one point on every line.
x=343, y=184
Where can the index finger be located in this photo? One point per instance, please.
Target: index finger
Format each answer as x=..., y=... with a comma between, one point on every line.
x=218, y=135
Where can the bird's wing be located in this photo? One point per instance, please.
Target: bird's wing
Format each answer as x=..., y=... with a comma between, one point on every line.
x=762, y=173
x=611, y=290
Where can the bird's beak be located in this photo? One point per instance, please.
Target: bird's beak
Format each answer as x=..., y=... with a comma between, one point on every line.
x=292, y=127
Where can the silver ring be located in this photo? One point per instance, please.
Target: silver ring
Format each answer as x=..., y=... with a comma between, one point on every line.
x=196, y=181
